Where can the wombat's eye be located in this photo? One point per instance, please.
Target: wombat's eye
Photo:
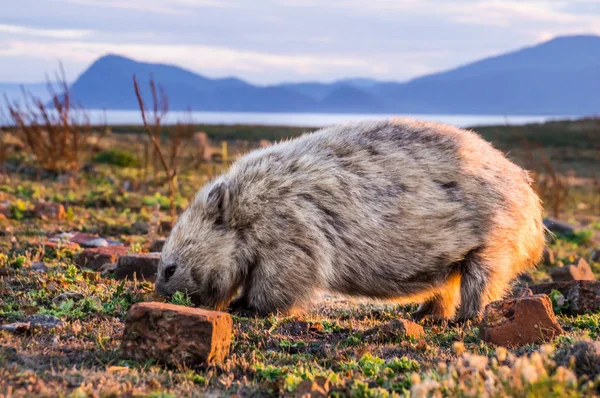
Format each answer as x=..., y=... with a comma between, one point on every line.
x=169, y=271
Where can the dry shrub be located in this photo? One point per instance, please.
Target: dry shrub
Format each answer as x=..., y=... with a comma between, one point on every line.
x=54, y=135
x=169, y=155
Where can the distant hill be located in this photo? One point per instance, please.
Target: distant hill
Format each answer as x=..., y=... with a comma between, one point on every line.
x=560, y=76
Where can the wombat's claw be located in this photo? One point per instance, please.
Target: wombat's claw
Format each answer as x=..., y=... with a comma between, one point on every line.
x=429, y=319
x=241, y=308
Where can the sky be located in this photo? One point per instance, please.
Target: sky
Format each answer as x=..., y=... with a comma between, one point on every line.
x=267, y=41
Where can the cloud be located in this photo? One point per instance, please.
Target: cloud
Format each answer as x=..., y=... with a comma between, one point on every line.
x=205, y=58
x=273, y=40
x=48, y=33
x=153, y=6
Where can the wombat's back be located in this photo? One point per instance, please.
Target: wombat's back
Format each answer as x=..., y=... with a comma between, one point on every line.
x=387, y=209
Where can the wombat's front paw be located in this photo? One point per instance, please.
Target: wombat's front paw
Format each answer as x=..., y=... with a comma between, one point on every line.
x=241, y=308
x=429, y=319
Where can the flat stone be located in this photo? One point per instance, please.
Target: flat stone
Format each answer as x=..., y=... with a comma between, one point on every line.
x=558, y=227
x=520, y=291
x=581, y=296
x=96, y=257
x=98, y=242
x=49, y=211
x=397, y=328
x=67, y=296
x=33, y=322
x=143, y=266
x=519, y=321
x=90, y=241
x=176, y=334
x=578, y=271
x=157, y=245
x=39, y=266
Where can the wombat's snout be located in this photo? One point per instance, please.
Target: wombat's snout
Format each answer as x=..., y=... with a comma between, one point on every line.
x=159, y=287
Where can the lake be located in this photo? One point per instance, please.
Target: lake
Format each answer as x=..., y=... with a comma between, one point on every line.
x=114, y=117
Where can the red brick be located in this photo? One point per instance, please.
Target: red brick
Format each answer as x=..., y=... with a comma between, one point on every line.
x=98, y=256
x=176, y=334
x=519, y=321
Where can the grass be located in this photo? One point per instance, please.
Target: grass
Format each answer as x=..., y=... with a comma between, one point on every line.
x=271, y=356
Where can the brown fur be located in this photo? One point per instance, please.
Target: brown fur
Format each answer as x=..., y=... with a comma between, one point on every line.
x=396, y=209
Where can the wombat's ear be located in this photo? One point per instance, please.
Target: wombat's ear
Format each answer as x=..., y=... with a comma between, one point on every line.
x=217, y=203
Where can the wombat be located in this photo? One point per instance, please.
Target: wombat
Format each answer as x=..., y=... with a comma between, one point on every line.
x=397, y=209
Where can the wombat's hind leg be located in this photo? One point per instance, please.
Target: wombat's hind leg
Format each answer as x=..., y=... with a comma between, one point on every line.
x=485, y=275
x=442, y=306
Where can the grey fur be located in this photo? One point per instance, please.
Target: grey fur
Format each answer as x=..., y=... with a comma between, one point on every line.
x=394, y=209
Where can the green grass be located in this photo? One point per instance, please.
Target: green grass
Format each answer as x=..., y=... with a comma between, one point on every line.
x=270, y=356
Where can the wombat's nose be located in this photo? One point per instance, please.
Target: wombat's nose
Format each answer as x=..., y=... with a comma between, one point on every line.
x=159, y=288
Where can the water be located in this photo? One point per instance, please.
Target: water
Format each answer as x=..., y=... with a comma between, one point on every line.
x=114, y=117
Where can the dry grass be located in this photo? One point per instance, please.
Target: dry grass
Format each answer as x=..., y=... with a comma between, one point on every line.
x=55, y=136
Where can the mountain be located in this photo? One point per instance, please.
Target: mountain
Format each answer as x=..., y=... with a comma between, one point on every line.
x=560, y=76
x=108, y=84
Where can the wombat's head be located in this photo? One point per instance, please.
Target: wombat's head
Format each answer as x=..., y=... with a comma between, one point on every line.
x=199, y=257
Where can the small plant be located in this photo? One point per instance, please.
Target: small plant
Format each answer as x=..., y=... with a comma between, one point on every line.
x=180, y=298
x=559, y=303
x=371, y=365
x=402, y=365
x=117, y=157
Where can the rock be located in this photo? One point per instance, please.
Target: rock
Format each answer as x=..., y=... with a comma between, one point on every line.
x=165, y=226
x=581, y=296
x=16, y=327
x=157, y=245
x=317, y=388
x=558, y=227
x=140, y=227
x=56, y=244
x=519, y=321
x=67, y=296
x=89, y=241
x=39, y=266
x=525, y=279
x=595, y=256
x=520, y=291
x=49, y=211
x=548, y=257
x=107, y=268
x=143, y=266
x=45, y=321
x=396, y=328
x=578, y=271
x=97, y=257
x=176, y=334
x=33, y=322
x=98, y=242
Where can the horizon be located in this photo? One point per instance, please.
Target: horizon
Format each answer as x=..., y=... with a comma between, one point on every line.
x=287, y=42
